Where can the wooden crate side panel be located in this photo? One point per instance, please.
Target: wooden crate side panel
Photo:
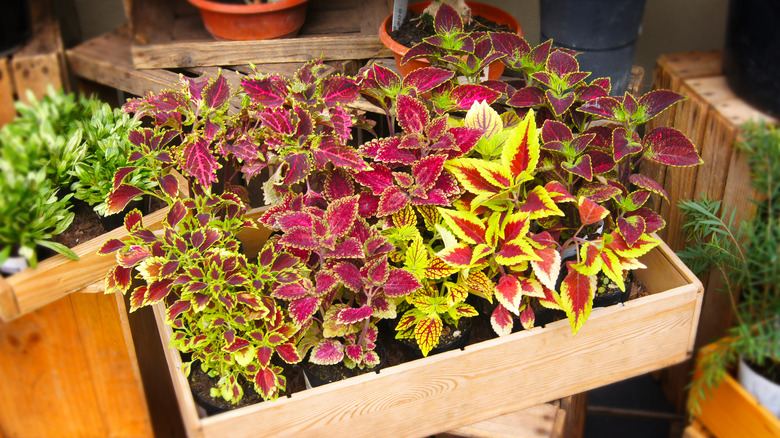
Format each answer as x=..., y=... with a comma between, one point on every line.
x=655, y=333
x=40, y=64
x=731, y=412
x=679, y=181
x=47, y=385
x=112, y=363
x=7, y=109
x=186, y=54
x=716, y=150
x=107, y=60
x=535, y=422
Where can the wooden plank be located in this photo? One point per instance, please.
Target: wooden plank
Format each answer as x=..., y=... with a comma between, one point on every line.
x=182, y=54
x=39, y=64
x=112, y=364
x=7, y=109
x=649, y=333
x=696, y=430
x=106, y=60
x=576, y=412
x=535, y=422
x=730, y=411
x=679, y=182
x=47, y=385
x=58, y=276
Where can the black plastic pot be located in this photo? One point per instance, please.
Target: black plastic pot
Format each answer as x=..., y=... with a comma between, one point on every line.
x=213, y=406
x=751, y=54
x=15, y=26
x=605, y=32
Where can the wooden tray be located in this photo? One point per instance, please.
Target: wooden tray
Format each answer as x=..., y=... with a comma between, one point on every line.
x=169, y=33
x=486, y=379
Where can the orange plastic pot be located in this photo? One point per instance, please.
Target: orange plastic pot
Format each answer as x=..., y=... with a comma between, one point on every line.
x=245, y=22
x=492, y=13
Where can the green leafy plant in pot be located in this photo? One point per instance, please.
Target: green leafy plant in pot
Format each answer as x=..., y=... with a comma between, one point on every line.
x=744, y=255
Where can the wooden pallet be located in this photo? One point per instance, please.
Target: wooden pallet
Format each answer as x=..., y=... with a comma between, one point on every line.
x=711, y=117
x=169, y=33
x=39, y=64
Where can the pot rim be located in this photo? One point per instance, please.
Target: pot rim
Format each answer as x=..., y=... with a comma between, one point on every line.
x=384, y=35
x=243, y=9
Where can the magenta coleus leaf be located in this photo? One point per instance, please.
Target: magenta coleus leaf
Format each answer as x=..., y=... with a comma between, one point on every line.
x=527, y=97
x=560, y=103
x=351, y=315
x=427, y=170
x=216, y=93
x=270, y=91
x=131, y=256
x=392, y=201
x=121, y=196
x=622, y=145
x=121, y=173
x=465, y=95
x=341, y=214
x=302, y=309
x=428, y=78
x=604, y=107
x=413, y=115
x=601, y=162
x=340, y=156
x=465, y=139
x=669, y=146
x=300, y=238
x=553, y=130
x=350, y=248
x=653, y=220
x=378, y=179
x=339, y=89
x=401, y=283
x=298, y=167
x=598, y=192
x=655, y=102
x=110, y=246
x=349, y=275
x=647, y=183
x=338, y=184
x=561, y=63
x=447, y=20
x=199, y=162
x=581, y=167
x=501, y=321
x=291, y=291
x=327, y=352
x=631, y=228
x=511, y=45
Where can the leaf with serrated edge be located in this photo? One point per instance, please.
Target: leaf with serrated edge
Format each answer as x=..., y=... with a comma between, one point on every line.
x=548, y=268
x=538, y=204
x=466, y=225
x=501, y=321
x=590, y=212
x=612, y=268
x=521, y=150
x=577, y=293
x=427, y=333
x=509, y=293
x=327, y=352
x=482, y=116
x=590, y=260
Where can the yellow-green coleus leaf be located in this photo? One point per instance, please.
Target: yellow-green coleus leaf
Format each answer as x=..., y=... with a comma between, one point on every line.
x=427, y=333
x=480, y=177
x=466, y=225
x=538, y=204
x=416, y=260
x=520, y=153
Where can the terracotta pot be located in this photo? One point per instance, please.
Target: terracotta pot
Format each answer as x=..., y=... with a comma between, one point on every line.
x=252, y=21
x=492, y=13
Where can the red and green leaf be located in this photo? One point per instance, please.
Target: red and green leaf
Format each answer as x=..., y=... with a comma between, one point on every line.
x=427, y=333
x=577, y=293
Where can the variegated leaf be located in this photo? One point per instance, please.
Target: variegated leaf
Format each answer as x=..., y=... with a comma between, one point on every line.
x=501, y=321
x=427, y=333
x=577, y=293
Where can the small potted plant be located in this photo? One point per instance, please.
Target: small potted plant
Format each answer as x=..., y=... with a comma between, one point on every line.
x=252, y=19
x=742, y=255
x=451, y=32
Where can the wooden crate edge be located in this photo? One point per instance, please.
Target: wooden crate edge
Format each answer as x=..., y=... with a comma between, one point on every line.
x=34, y=288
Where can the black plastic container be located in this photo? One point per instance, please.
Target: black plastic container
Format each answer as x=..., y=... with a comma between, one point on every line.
x=15, y=26
x=751, y=54
x=605, y=32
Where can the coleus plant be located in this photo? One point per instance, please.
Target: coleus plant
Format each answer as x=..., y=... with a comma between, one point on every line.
x=352, y=283
x=580, y=166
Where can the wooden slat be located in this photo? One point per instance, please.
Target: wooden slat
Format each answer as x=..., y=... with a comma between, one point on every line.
x=58, y=276
x=111, y=361
x=7, y=109
x=535, y=422
x=415, y=398
x=39, y=63
x=273, y=51
x=47, y=385
x=106, y=60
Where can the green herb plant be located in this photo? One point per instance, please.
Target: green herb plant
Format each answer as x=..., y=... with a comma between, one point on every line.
x=745, y=255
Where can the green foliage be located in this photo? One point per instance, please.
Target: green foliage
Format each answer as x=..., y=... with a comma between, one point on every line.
x=106, y=149
x=746, y=256
x=31, y=214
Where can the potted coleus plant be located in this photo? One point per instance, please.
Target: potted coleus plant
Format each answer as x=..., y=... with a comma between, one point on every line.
x=252, y=19
x=467, y=45
x=742, y=254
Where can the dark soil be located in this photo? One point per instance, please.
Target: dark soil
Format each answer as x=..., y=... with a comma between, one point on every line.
x=86, y=225
x=452, y=337
x=321, y=374
x=201, y=384
x=415, y=28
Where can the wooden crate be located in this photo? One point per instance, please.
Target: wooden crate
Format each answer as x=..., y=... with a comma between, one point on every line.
x=729, y=411
x=169, y=33
x=486, y=379
x=69, y=371
x=39, y=64
x=711, y=117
